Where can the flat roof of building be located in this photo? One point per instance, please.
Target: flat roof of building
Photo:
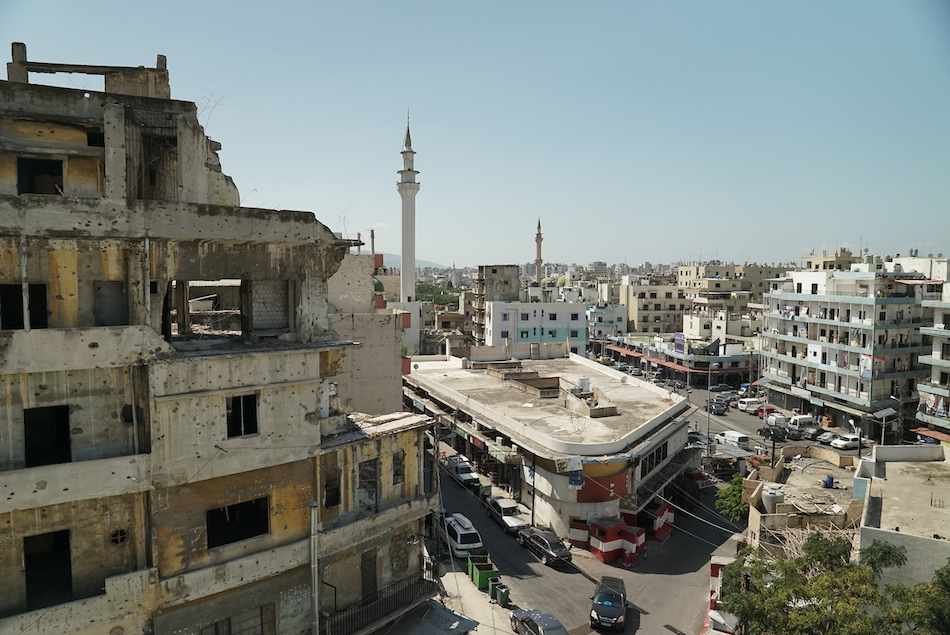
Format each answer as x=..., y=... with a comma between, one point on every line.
x=915, y=496
x=547, y=422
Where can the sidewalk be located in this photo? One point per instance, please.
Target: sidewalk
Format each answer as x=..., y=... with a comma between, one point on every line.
x=462, y=596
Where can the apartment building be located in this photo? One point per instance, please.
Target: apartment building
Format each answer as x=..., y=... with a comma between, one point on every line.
x=653, y=308
x=934, y=408
x=493, y=283
x=175, y=446
x=843, y=344
x=518, y=322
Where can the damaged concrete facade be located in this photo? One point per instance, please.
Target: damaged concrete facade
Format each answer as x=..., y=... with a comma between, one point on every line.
x=168, y=374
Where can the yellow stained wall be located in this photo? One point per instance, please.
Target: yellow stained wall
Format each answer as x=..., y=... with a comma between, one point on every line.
x=93, y=557
x=84, y=177
x=179, y=515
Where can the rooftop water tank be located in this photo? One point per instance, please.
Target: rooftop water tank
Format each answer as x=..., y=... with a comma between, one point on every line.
x=583, y=382
x=772, y=496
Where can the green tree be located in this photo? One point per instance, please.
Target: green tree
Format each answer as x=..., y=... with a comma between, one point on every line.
x=729, y=501
x=435, y=294
x=823, y=592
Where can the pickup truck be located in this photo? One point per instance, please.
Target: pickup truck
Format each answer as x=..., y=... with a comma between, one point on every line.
x=462, y=471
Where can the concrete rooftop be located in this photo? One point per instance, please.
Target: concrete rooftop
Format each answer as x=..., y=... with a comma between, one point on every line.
x=805, y=485
x=915, y=496
x=547, y=422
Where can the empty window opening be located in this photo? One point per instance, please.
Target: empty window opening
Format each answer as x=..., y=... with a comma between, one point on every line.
x=399, y=467
x=11, y=306
x=368, y=480
x=331, y=490
x=110, y=303
x=46, y=435
x=153, y=287
x=242, y=415
x=241, y=521
x=201, y=309
x=49, y=577
x=39, y=176
x=257, y=621
x=96, y=139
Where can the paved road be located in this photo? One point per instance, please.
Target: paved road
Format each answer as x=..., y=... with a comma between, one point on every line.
x=667, y=591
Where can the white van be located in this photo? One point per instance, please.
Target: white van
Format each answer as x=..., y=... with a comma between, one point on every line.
x=731, y=437
x=802, y=421
x=461, y=535
x=750, y=404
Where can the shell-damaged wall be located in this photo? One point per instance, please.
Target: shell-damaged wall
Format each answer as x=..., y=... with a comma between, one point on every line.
x=290, y=391
x=96, y=403
x=180, y=514
x=102, y=542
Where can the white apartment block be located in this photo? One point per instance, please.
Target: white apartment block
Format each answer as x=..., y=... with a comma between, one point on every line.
x=935, y=390
x=843, y=345
x=516, y=322
x=610, y=320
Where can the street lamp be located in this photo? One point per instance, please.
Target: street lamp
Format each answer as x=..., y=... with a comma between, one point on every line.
x=712, y=367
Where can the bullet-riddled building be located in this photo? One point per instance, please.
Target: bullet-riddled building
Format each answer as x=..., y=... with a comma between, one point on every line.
x=174, y=445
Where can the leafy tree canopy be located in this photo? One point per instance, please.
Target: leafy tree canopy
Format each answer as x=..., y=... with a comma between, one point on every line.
x=822, y=592
x=729, y=501
x=435, y=294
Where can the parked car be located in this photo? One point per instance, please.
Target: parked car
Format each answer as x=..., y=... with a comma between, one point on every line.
x=462, y=471
x=716, y=408
x=545, y=545
x=720, y=388
x=608, y=604
x=636, y=372
x=622, y=367
x=772, y=432
x=792, y=434
x=846, y=442
x=676, y=383
x=460, y=535
x=721, y=401
x=731, y=400
x=507, y=513
x=811, y=433
x=777, y=419
x=764, y=411
x=827, y=437
x=534, y=622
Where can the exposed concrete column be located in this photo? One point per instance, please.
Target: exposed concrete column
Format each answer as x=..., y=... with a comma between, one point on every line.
x=181, y=305
x=116, y=183
x=16, y=71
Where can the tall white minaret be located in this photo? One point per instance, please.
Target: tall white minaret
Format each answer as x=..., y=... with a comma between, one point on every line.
x=408, y=188
x=537, y=260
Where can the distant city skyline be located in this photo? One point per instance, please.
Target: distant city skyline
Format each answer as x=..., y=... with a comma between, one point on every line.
x=738, y=131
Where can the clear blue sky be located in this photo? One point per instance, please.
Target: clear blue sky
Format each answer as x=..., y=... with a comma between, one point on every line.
x=636, y=131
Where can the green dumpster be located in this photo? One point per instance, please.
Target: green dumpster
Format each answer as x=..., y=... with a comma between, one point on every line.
x=483, y=573
x=476, y=559
x=501, y=594
x=493, y=587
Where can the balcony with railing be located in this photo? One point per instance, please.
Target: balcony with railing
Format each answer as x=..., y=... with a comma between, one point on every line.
x=377, y=609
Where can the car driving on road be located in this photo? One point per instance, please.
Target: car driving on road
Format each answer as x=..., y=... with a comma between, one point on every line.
x=720, y=388
x=545, y=545
x=608, y=604
x=827, y=438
